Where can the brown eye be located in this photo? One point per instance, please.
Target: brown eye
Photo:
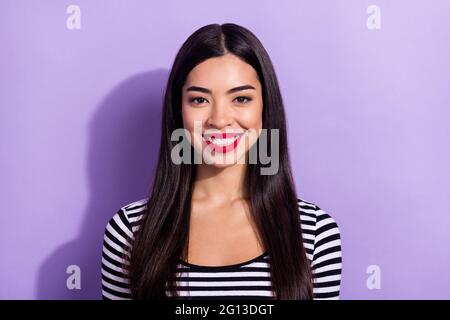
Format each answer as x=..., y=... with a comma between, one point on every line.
x=196, y=100
x=248, y=99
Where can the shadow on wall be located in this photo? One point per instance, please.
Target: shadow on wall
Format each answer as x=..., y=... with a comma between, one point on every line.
x=123, y=148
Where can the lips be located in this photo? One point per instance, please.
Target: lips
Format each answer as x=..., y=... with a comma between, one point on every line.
x=221, y=135
x=222, y=142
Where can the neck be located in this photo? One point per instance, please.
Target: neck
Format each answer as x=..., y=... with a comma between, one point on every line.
x=222, y=185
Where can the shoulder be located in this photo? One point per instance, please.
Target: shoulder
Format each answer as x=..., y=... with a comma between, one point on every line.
x=322, y=220
x=320, y=228
x=134, y=212
x=126, y=220
x=117, y=242
x=323, y=246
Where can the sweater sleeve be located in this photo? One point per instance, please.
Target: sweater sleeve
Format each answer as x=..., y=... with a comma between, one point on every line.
x=327, y=258
x=115, y=258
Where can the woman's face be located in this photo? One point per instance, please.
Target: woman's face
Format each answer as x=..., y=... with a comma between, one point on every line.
x=222, y=109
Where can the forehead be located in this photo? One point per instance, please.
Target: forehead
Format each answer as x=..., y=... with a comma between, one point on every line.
x=222, y=73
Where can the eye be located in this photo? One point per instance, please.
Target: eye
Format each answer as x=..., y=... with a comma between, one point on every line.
x=196, y=100
x=248, y=99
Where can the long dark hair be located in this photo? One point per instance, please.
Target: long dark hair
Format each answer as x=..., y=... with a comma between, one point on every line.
x=161, y=239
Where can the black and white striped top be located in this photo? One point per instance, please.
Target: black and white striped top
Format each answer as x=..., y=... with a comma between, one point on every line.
x=248, y=280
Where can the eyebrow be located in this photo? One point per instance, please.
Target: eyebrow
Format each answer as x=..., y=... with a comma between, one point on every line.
x=205, y=90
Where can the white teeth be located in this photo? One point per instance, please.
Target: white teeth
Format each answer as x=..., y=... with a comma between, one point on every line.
x=222, y=142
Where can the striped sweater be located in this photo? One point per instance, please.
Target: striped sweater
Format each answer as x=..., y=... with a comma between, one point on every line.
x=246, y=280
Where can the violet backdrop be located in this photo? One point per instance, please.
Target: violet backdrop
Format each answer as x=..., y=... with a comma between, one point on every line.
x=368, y=120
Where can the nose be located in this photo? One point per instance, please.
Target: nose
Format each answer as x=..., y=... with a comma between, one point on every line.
x=219, y=117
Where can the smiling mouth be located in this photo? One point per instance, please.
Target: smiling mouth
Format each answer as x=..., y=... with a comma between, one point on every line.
x=222, y=142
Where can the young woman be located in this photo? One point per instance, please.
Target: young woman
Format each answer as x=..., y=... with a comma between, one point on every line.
x=222, y=228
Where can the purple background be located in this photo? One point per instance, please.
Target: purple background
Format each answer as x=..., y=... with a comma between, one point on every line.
x=368, y=120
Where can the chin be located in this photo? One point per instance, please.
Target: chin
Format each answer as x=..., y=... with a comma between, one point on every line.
x=222, y=162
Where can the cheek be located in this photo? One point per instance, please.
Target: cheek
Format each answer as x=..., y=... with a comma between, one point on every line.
x=186, y=119
x=190, y=116
x=251, y=118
